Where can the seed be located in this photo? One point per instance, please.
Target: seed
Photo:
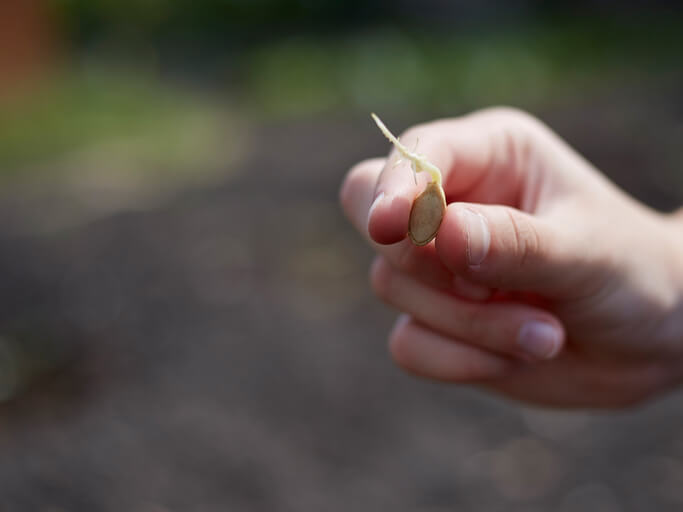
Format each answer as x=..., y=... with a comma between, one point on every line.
x=429, y=207
x=426, y=214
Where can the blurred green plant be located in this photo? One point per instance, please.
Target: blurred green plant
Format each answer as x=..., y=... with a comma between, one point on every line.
x=138, y=116
x=525, y=65
x=528, y=63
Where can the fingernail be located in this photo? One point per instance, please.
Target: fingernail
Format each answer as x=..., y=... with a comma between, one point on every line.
x=478, y=236
x=374, y=204
x=539, y=339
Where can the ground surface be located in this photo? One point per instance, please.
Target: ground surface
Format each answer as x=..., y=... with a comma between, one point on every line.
x=223, y=352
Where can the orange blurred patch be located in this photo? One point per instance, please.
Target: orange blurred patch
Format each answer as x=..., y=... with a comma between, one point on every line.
x=27, y=43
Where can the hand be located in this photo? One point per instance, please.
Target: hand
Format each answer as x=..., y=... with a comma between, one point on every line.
x=545, y=282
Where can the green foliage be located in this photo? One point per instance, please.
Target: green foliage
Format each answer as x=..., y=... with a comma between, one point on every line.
x=81, y=109
x=380, y=67
x=398, y=69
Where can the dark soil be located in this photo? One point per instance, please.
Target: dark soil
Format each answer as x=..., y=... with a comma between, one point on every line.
x=224, y=352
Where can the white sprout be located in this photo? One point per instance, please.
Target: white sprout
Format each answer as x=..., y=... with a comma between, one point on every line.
x=418, y=163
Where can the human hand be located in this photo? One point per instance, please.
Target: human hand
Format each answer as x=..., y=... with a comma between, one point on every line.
x=545, y=282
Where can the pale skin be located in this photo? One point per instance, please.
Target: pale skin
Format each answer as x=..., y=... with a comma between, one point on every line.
x=545, y=283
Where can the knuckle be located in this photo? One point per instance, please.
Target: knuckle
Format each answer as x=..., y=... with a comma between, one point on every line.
x=525, y=239
x=519, y=129
x=514, y=138
x=511, y=116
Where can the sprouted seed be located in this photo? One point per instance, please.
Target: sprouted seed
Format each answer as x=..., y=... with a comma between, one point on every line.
x=429, y=206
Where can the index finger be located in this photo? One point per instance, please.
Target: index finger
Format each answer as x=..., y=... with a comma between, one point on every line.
x=466, y=150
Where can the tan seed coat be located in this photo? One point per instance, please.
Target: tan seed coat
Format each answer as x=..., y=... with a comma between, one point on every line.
x=426, y=214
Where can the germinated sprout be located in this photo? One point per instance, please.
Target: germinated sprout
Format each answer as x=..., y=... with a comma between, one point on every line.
x=418, y=163
x=429, y=206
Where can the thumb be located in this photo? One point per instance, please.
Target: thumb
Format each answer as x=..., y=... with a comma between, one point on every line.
x=504, y=248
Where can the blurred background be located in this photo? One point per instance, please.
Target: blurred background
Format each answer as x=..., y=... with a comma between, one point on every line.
x=185, y=322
